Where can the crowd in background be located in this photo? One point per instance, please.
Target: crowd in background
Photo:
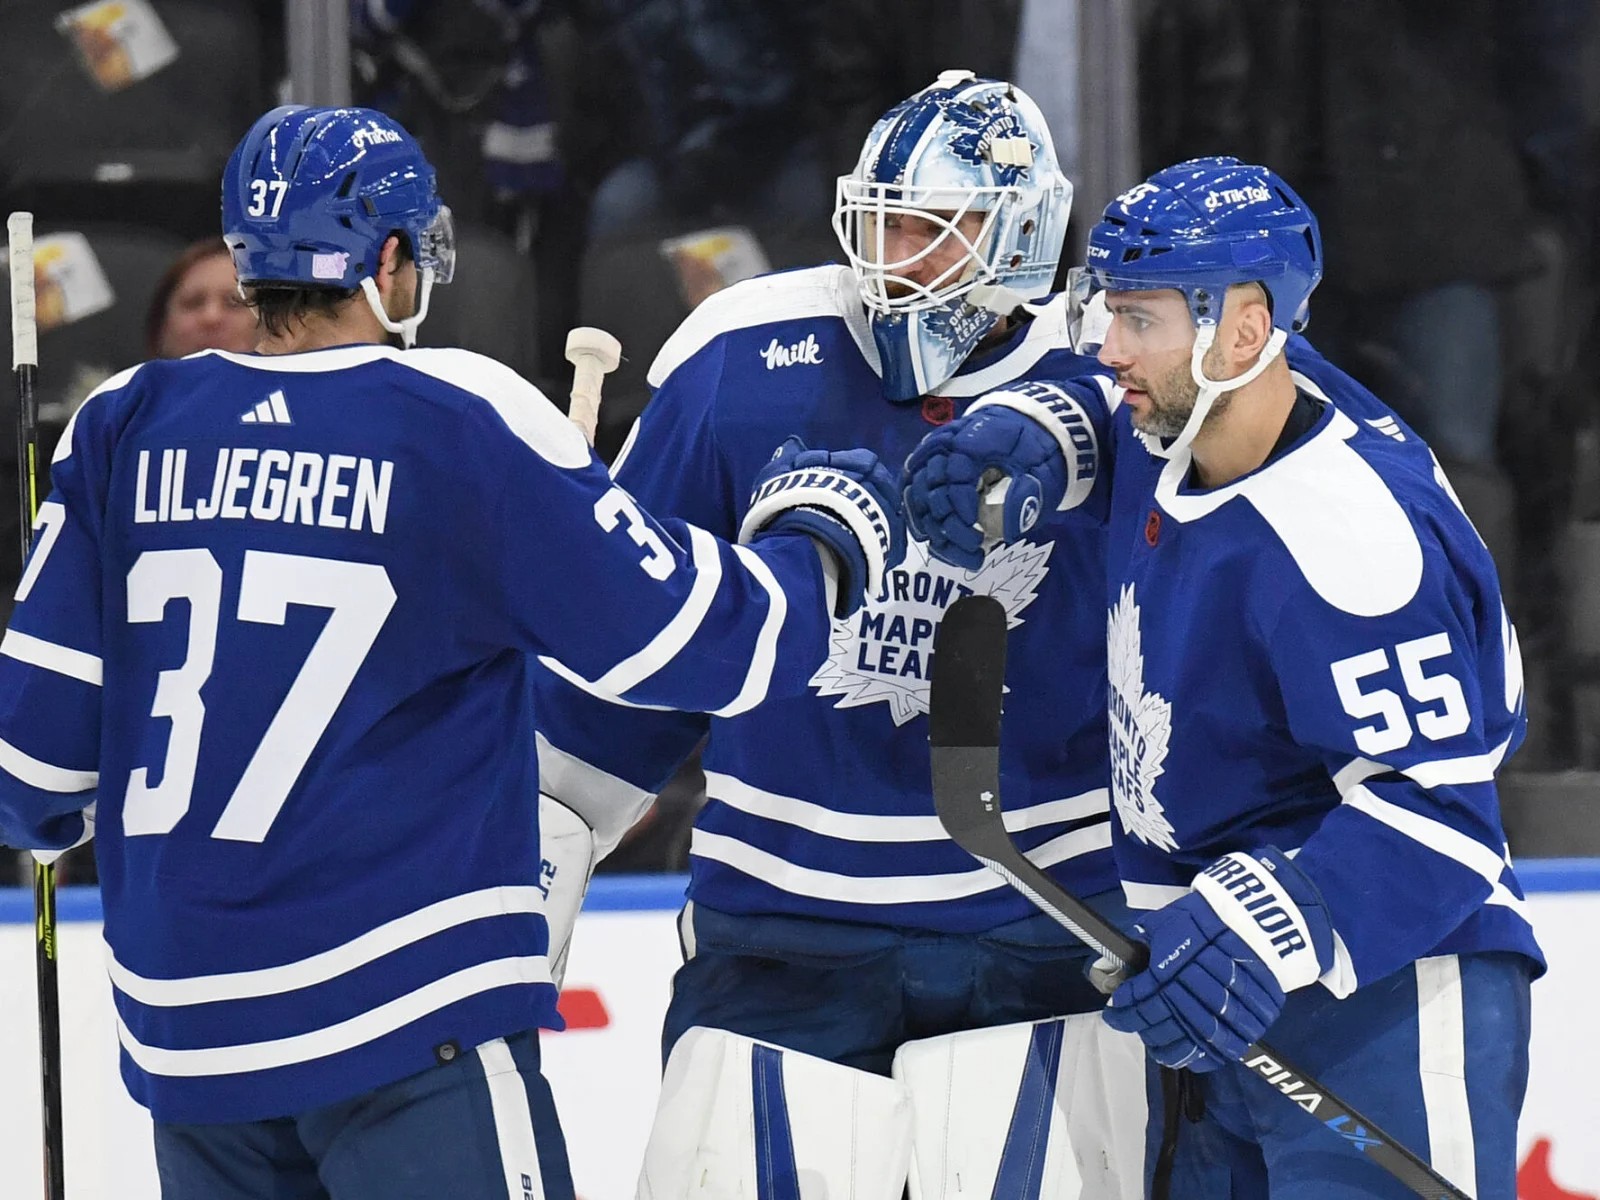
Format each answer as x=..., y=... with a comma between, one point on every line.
x=612, y=162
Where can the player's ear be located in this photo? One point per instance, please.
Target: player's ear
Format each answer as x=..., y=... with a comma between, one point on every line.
x=1251, y=324
x=389, y=256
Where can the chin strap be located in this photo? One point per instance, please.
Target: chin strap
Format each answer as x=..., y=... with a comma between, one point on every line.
x=407, y=328
x=1212, y=389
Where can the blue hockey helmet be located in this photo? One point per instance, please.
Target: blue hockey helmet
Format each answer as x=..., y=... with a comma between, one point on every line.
x=1204, y=225
x=310, y=195
x=961, y=145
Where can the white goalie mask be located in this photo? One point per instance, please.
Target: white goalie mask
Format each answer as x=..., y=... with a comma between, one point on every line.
x=971, y=163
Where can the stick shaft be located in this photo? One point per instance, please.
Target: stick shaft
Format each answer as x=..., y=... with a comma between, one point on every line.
x=25, y=365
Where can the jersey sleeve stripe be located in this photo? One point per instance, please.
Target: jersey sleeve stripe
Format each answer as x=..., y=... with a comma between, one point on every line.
x=759, y=677
x=339, y=1037
x=319, y=968
x=678, y=632
x=42, y=775
x=872, y=827
x=1439, y=772
x=63, y=660
x=1435, y=835
x=561, y=670
x=1474, y=768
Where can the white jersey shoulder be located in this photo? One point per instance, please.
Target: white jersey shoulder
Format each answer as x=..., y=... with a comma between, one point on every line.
x=526, y=410
x=1348, y=534
x=826, y=291
x=115, y=383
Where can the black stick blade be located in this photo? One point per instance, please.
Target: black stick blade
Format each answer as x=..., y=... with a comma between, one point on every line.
x=969, y=672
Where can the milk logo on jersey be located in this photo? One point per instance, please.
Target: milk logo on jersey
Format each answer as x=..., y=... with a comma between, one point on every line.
x=1141, y=725
x=883, y=653
x=798, y=354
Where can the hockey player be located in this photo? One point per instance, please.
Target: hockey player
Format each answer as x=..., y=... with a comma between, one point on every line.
x=1313, y=681
x=275, y=634
x=830, y=922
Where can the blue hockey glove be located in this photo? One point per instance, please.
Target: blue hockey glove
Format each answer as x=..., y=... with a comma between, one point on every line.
x=946, y=475
x=1222, y=959
x=844, y=499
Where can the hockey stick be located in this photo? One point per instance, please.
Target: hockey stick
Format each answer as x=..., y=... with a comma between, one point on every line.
x=969, y=666
x=25, y=365
x=593, y=353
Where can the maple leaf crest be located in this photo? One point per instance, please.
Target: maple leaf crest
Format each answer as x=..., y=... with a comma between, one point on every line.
x=976, y=130
x=1141, y=728
x=883, y=653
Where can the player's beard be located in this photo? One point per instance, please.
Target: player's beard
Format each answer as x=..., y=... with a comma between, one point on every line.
x=1172, y=396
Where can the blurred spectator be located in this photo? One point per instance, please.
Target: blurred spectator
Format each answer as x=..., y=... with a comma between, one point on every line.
x=723, y=129
x=471, y=81
x=873, y=53
x=196, y=306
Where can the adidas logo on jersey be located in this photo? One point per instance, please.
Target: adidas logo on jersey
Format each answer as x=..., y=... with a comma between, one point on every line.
x=1389, y=426
x=274, y=410
x=806, y=353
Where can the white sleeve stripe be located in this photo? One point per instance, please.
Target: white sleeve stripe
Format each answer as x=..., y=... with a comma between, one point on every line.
x=42, y=775
x=1474, y=768
x=1440, y=772
x=1356, y=771
x=345, y=1035
x=329, y=964
x=759, y=677
x=1435, y=835
x=873, y=827
x=63, y=660
x=557, y=667
x=676, y=634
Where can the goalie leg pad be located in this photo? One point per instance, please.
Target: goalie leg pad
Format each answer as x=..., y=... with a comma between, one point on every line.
x=745, y=1120
x=1047, y=1110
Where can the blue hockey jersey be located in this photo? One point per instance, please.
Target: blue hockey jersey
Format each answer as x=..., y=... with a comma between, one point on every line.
x=820, y=805
x=277, y=627
x=1316, y=656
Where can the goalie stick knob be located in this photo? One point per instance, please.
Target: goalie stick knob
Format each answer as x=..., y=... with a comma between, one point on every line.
x=593, y=353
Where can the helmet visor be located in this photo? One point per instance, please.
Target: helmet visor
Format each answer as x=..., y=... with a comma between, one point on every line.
x=436, y=247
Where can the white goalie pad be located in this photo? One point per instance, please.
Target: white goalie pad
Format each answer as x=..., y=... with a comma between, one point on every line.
x=744, y=1120
x=567, y=851
x=1050, y=1110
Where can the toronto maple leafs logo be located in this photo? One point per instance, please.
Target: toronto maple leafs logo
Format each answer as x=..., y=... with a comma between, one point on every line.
x=958, y=326
x=989, y=136
x=1141, y=725
x=883, y=653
